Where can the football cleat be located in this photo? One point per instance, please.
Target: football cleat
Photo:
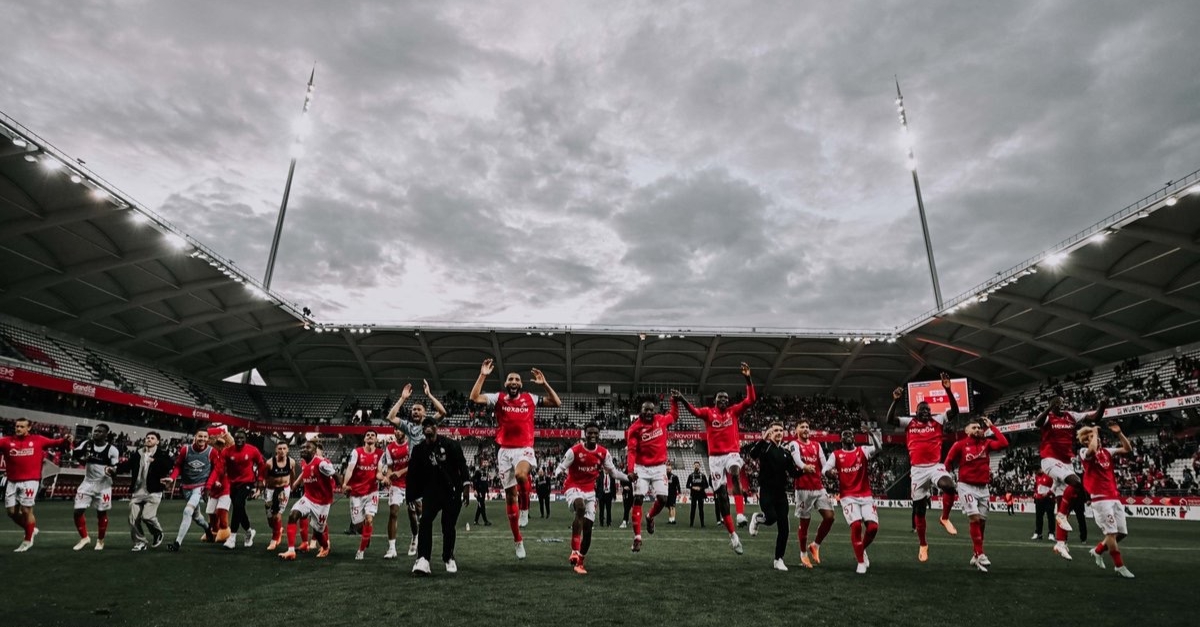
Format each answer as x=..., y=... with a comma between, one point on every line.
x=412, y=547
x=805, y=561
x=814, y=550
x=779, y=565
x=421, y=566
x=637, y=544
x=359, y=555
x=736, y=544
x=575, y=558
x=754, y=522
x=521, y=550
x=289, y=555
x=1099, y=557
x=949, y=526
x=1062, y=521
x=650, y=526
x=391, y=553
x=1061, y=549
x=99, y=545
x=451, y=566
x=324, y=552
x=82, y=544
x=1124, y=572
x=923, y=554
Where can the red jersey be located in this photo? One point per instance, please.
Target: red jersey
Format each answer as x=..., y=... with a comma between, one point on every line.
x=23, y=456
x=924, y=439
x=854, y=477
x=366, y=466
x=1042, y=485
x=1058, y=435
x=514, y=419
x=319, y=483
x=243, y=465
x=218, y=476
x=583, y=466
x=1098, y=479
x=721, y=426
x=646, y=442
x=973, y=458
x=812, y=454
x=395, y=457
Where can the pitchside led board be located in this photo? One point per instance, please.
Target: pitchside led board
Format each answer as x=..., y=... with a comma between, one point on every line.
x=933, y=393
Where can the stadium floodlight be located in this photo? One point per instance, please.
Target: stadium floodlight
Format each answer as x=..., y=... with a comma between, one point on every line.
x=1195, y=189
x=19, y=142
x=139, y=217
x=31, y=158
x=911, y=162
x=51, y=163
x=75, y=178
x=1055, y=259
x=662, y=336
x=99, y=193
x=176, y=241
x=1171, y=201
x=1099, y=238
x=320, y=329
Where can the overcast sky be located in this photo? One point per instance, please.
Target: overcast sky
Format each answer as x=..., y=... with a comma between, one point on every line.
x=721, y=163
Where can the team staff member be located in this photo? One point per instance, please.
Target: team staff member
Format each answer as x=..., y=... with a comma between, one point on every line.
x=437, y=474
x=606, y=491
x=480, y=482
x=244, y=466
x=1043, y=503
x=776, y=472
x=697, y=486
x=672, y=493
x=543, y=485
x=151, y=469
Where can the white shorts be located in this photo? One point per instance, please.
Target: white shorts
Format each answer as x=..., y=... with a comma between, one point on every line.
x=269, y=496
x=651, y=480
x=192, y=496
x=806, y=500
x=589, y=501
x=317, y=514
x=925, y=477
x=396, y=496
x=507, y=460
x=975, y=499
x=89, y=492
x=22, y=492
x=1110, y=516
x=1058, y=471
x=363, y=506
x=856, y=508
x=218, y=502
x=718, y=467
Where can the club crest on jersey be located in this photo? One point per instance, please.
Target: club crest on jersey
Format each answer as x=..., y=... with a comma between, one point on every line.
x=651, y=435
x=970, y=457
x=720, y=424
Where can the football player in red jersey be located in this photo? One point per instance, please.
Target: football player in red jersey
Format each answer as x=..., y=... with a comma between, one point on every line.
x=972, y=455
x=515, y=459
x=646, y=461
x=724, y=450
x=810, y=493
x=1101, y=484
x=23, y=452
x=923, y=434
x=583, y=463
x=1058, y=427
x=319, y=479
x=850, y=465
x=361, y=483
x=393, y=474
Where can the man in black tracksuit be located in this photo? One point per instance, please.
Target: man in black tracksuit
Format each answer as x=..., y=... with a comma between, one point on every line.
x=776, y=471
x=480, y=482
x=543, y=485
x=437, y=474
x=697, y=485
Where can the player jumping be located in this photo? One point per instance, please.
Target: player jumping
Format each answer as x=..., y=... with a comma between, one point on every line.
x=810, y=493
x=1058, y=438
x=646, y=461
x=583, y=463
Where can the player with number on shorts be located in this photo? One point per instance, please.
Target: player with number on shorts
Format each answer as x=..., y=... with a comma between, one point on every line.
x=393, y=474
x=583, y=463
x=850, y=466
x=1058, y=426
x=810, y=493
x=361, y=484
x=972, y=456
x=97, y=455
x=1100, y=482
x=319, y=481
x=278, y=475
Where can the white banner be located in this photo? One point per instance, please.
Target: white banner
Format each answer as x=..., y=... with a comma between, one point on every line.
x=1166, y=404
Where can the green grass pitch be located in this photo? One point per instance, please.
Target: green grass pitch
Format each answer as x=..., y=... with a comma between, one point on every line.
x=683, y=576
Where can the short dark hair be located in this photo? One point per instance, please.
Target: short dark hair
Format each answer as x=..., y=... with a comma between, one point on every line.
x=776, y=423
x=101, y=425
x=429, y=421
x=591, y=425
x=24, y=420
x=153, y=433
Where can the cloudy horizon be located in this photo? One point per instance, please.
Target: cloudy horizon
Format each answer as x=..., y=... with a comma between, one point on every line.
x=702, y=164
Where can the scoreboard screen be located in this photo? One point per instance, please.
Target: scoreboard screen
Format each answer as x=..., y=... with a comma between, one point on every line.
x=933, y=393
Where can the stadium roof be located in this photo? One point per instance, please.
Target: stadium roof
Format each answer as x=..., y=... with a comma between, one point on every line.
x=82, y=258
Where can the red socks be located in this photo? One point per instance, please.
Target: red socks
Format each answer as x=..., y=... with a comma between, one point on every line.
x=947, y=505
x=977, y=537
x=637, y=519
x=523, y=490
x=802, y=534
x=514, y=519
x=292, y=535
x=1117, y=560
x=1068, y=497
x=823, y=530
x=223, y=519
x=303, y=530
x=739, y=504
x=656, y=508
x=81, y=525
x=102, y=523
x=323, y=539
x=869, y=536
x=277, y=529
x=365, y=542
x=30, y=525
x=729, y=523
x=921, y=525
x=856, y=531
x=1101, y=548
x=576, y=541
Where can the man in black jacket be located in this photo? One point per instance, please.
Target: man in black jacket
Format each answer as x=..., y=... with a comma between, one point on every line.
x=606, y=491
x=672, y=493
x=480, y=482
x=697, y=486
x=150, y=466
x=776, y=470
x=543, y=486
x=437, y=474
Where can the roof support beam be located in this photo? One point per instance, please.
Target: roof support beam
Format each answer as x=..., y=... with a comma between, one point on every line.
x=499, y=359
x=1078, y=317
x=778, y=365
x=947, y=366
x=980, y=353
x=429, y=363
x=240, y=364
x=143, y=299
x=708, y=359
x=287, y=357
x=70, y=273
x=1170, y=238
x=570, y=370
x=191, y=321
x=1133, y=287
x=1022, y=336
x=849, y=361
x=637, y=364
x=235, y=337
x=352, y=343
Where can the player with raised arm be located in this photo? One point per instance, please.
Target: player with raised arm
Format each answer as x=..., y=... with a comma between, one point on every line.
x=361, y=483
x=413, y=434
x=972, y=456
x=646, y=461
x=514, y=434
x=1058, y=427
x=393, y=475
x=724, y=446
x=923, y=434
x=319, y=479
x=850, y=465
x=583, y=463
x=810, y=493
x=97, y=455
x=193, y=471
x=1100, y=482
x=23, y=453
x=278, y=476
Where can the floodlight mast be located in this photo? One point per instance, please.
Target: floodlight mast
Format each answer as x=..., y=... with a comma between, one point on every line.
x=301, y=131
x=912, y=165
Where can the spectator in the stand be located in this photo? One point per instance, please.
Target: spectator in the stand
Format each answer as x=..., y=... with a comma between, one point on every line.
x=672, y=493
x=150, y=467
x=697, y=486
x=543, y=485
x=606, y=491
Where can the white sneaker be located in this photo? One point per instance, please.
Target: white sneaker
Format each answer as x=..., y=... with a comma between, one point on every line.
x=250, y=538
x=983, y=559
x=736, y=544
x=754, y=523
x=1036, y=537
x=1061, y=549
x=1124, y=572
x=521, y=550
x=391, y=553
x=1099, y=557
x=22, y=547
x=140, y=546
x=412, y=547
x=1061, y=521
x=524, y=520
x=978, y=564
x=359, y=555
x=421, y=567
x=99, y=545
x=451, y=567
x=82, y=544
x=866, y=559
x=623, y=525
x=779, y=565
x=231, y=542
x=742, y=520
x=861, y=568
